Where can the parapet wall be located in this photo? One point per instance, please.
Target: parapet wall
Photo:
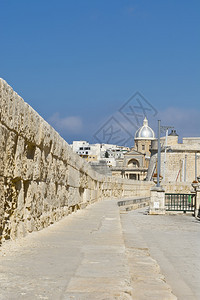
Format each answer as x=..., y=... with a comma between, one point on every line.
x=41, y=179
x=177, y=187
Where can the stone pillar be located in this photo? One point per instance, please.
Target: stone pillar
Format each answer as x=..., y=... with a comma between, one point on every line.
x=197, y=202
x=157, y=201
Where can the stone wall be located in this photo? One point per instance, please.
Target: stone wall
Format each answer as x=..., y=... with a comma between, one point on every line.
x=180, y=159
x=177, y=187
x=41, y=179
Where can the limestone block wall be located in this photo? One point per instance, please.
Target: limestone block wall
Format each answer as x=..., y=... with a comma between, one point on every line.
x=175, y=166
x=41, y=179
x=180, y=160
x=177, y=187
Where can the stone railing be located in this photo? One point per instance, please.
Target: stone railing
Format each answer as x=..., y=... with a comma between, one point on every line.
x=134, y=203
x=41, y=179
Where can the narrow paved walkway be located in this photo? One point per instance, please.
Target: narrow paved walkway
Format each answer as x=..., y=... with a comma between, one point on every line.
x=81, y=257
x=87, y=256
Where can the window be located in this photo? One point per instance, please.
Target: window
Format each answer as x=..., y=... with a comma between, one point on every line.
x=133, y=163
x=143, y=147
x=132, y=176
x=81, y=148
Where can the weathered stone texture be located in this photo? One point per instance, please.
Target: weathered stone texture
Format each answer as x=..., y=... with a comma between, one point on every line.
x=41, y=179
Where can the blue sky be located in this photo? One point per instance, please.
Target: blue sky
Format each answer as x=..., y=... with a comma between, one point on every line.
x=78, y=62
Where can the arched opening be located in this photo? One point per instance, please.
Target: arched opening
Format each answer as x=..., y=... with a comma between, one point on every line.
x=133, y=163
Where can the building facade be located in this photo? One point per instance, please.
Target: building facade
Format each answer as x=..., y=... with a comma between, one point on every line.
x=134, y=165
x=180, y=162
x=96, y=153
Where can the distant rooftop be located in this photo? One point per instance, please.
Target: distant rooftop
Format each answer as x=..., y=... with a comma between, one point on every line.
x=173, y=133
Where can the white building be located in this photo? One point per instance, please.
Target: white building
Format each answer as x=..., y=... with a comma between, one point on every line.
x=99, y=152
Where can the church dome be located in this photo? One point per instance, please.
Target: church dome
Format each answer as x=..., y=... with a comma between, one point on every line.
x=145, y=132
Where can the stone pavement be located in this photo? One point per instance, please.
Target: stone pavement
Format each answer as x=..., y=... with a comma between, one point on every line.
x=89, y=255
x=174, y=242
